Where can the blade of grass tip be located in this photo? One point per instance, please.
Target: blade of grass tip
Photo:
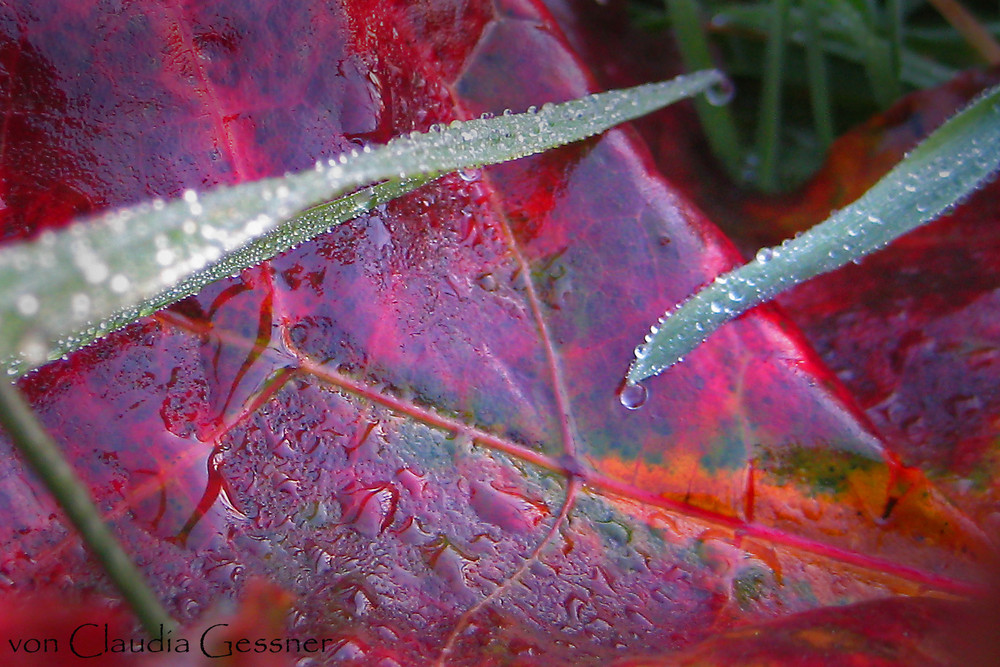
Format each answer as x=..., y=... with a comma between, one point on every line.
x=951, y=163
x=44, y=457
x=769, y=117
x=970, y=28
x=68, y=288
x=819, y=91
x=716, y=118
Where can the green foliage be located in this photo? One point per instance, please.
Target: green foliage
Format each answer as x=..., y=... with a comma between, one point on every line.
x=793, y=113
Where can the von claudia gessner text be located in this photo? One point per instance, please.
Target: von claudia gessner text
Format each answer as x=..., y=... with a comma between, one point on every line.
x=91, y=640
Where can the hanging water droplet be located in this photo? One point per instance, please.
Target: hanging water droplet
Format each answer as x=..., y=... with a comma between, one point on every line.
x=633, y=396
x=469, y=175
x=721, y=93
x=640, y=351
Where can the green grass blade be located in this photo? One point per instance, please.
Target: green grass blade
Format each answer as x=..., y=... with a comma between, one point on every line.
x=47, y=461
x=716, y=120
x=917, y=70
x=68, y=288
x=875, y=52
x=819, y=91
x=769, y=118
x=947, y=166
x=894, y=17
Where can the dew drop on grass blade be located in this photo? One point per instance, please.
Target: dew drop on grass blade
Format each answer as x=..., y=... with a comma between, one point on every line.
x=945, y=168
x=67, y=288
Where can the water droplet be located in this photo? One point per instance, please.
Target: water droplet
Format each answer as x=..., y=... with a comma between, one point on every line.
x=469, y=175
x=640, y=351
x=80, y=304
x=27, y=304
x=765, y=255
x=488, y=282
x=119, y=283
x=715, y=307
x=633, y=396
x=164, y=257
x=721, y=93
x=33, y=349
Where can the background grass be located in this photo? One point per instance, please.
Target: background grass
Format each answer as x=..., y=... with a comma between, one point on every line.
x=853, y=59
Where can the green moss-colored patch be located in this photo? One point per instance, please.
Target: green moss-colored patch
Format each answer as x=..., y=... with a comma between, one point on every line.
x=727, y=453
x=825, y=470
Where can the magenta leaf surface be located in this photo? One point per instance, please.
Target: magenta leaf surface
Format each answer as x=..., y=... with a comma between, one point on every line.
x=411, y=424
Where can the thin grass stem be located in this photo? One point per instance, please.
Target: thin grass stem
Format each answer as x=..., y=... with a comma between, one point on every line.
x=769, y=118
x=45, y=458
x=717, y=120
x=819, y=91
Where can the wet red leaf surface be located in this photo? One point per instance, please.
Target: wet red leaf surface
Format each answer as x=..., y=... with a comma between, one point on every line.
x=410, y=425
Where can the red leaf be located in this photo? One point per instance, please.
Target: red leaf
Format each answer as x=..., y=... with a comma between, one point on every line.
x=411, y=423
